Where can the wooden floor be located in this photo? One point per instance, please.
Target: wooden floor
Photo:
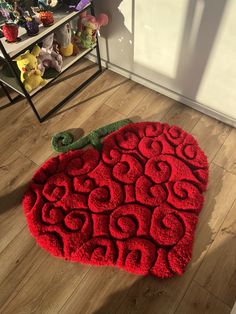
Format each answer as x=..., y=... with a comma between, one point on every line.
x=31, y=281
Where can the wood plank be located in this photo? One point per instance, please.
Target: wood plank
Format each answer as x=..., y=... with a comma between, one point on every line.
x=29, y=274
x=182, y=116
x=47, y=288
x=127, y=97
x=98, y=91
x=153, y=107
x=211, y=135
x=198, y=300
x=11, y=127
x=77, y=73
x=219, y=199
x=217, y=273
x=226, y=157
x=89, y=296
x=15, y=173
x=15, y=136
x=103, y=116
x=19, y=261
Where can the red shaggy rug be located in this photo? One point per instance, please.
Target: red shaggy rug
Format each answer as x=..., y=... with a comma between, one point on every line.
x=134, y=204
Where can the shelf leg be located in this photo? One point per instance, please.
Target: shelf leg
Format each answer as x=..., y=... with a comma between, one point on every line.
x=67, y=98
x=97, y=47
x=29, y=99
x=26, y=94
x=6, y=92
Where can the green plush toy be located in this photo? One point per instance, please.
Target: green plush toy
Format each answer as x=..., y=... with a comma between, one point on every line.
x=88, y=27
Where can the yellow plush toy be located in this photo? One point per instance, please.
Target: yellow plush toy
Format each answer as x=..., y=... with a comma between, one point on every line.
x=27, y=63
x=63, y=36
x=67, y=51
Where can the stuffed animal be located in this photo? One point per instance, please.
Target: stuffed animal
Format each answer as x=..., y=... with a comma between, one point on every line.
x=46, y=17
x=28, y=65
x=43, y=16
x=48, y=4
x=64, y=38
x=87, y=29
x=48, y=57
x=81, y=4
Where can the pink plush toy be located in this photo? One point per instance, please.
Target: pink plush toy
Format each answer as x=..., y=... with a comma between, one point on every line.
x=48, y=57
x=88, y=27
x=101, y=20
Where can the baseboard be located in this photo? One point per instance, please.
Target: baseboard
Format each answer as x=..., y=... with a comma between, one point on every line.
x=167, y=92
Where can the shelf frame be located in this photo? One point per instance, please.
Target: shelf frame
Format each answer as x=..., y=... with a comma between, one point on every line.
x=6, y=57
x=47, y=31
x=6, y=92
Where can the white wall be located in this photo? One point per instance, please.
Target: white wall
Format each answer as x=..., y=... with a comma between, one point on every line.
x=187, y=48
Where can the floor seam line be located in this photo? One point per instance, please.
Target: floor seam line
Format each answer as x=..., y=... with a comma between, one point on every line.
x=195, y=273
x=23, y=155
x=211, y=293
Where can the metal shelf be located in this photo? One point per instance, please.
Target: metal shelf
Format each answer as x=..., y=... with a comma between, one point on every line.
x=67, y=62
x=9, y=51
x=14, y=49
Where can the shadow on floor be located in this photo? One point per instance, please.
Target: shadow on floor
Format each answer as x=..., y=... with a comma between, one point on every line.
x=180, y=294
x=89, y=98
x=12, y=199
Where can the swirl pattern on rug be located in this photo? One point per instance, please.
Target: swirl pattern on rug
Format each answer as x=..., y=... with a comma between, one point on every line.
x=135, y=205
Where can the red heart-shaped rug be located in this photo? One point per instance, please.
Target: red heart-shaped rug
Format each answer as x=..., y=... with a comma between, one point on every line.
x=133, y=204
